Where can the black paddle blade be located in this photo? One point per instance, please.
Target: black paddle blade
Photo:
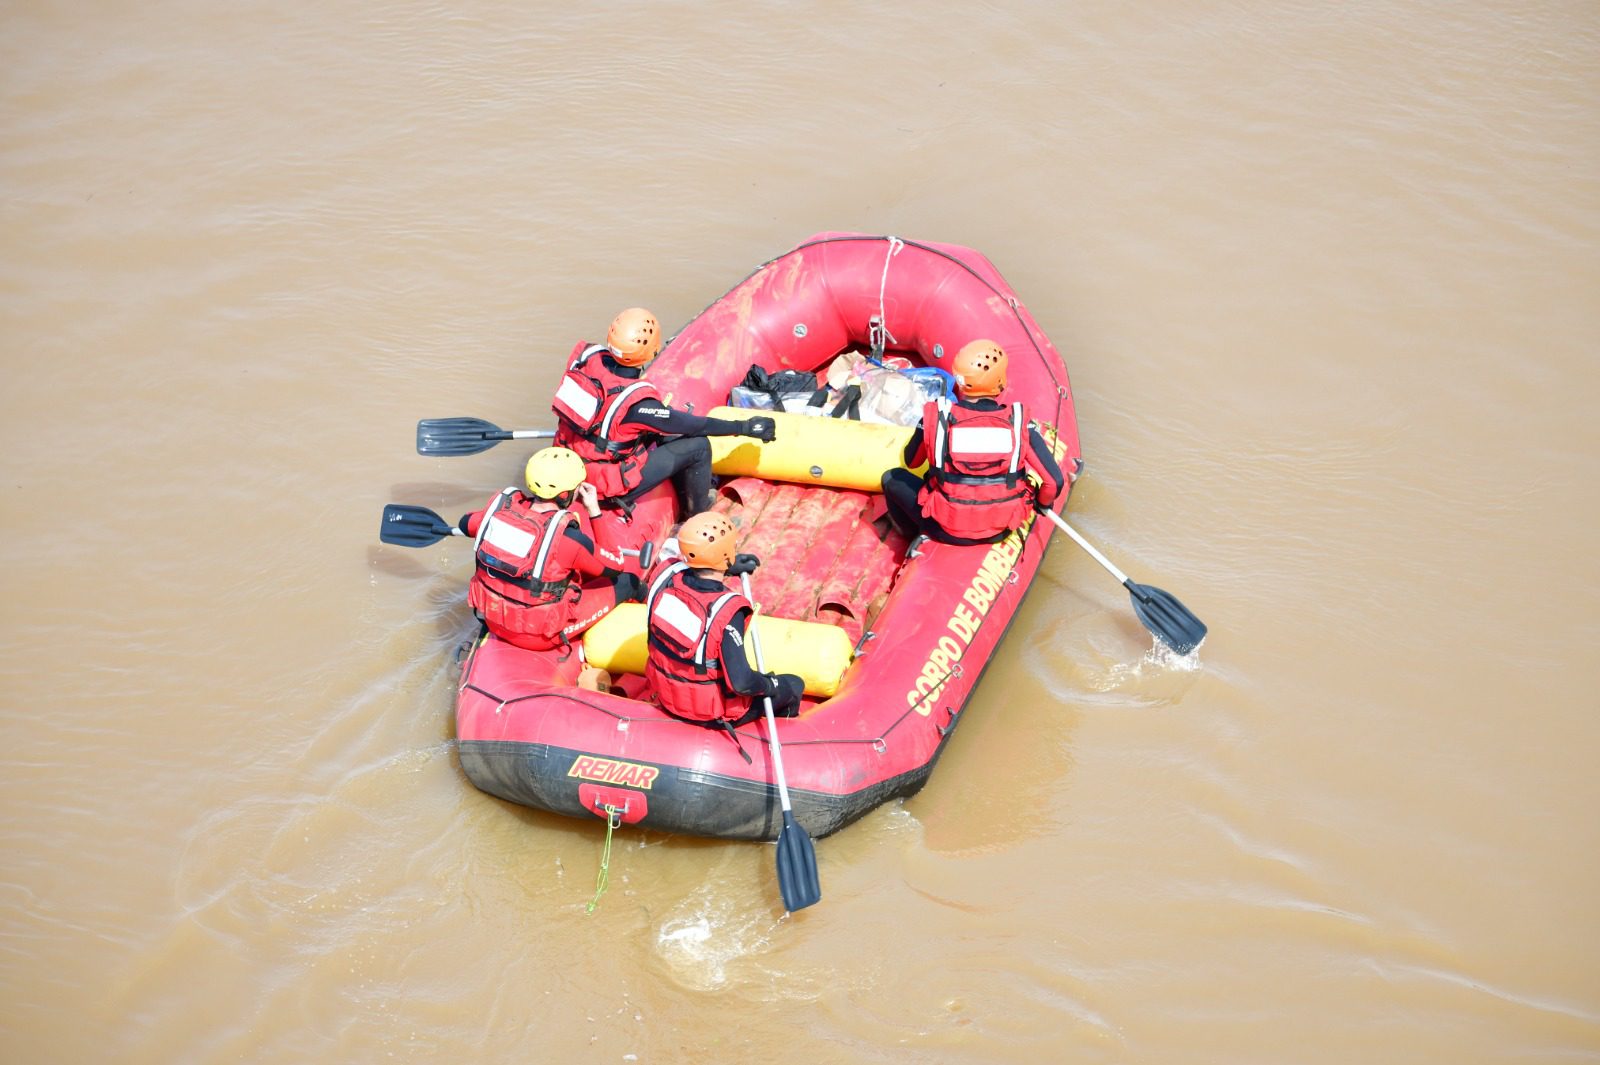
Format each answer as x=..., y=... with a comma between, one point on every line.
x=1173, y=623
x=406, y=526
x=797, y=866
x=457, y=436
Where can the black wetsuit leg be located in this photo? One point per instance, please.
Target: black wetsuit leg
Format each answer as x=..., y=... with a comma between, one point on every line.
x=687, y=461
x=900, y=488
x=785, y=701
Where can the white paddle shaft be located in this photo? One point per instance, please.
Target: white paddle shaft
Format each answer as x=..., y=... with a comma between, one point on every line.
x=772, y=720
x=1122, y=578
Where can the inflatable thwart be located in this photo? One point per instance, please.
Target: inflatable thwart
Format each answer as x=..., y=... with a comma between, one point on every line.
x=890, y=647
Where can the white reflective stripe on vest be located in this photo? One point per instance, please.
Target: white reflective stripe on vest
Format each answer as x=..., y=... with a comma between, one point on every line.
x=982, y=440
x=943, y=407
x=580, y=404
x=514, y=542
x=711, y=615
x=1016, y=435
x=517, y=543
x=676, y=615
x=483, y=526
x=661, y=582
x=619, y=404
x=551, y=531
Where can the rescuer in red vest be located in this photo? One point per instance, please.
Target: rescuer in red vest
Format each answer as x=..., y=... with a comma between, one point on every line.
x=533, y=551
x=615, y=420
x=698, y=625
x=980, y=452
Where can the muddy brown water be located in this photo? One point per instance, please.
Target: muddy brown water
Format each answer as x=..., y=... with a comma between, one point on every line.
x=1325, y=277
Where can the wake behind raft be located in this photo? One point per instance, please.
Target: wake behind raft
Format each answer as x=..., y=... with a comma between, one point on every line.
x=891, y=647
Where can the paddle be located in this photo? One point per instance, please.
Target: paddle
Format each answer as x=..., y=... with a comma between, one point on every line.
x=408, y=526
x=797, y=858
x=1171, y=622
x=468, y=436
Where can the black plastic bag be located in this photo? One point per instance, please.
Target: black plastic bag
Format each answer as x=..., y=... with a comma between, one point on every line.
x=774, y=384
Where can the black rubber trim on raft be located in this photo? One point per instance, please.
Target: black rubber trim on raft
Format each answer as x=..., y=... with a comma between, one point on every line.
x=679, y=800
x=1062, y=392
x=693, y=801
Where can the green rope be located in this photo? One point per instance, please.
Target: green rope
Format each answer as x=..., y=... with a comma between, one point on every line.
x=613, y=819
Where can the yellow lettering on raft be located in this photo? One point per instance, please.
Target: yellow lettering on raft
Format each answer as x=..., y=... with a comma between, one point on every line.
x=608, y=771
x=994, y=574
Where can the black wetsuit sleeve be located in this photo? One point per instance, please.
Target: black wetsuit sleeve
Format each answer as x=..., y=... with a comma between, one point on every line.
x=657, y=416
x=587, y=561
x=913, y=454
x=736, y=671
x=1044, y=463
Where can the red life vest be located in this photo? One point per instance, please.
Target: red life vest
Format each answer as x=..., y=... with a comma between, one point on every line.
x=686, y=626
x=977, y=485
x=519, y=589
x=590, y=403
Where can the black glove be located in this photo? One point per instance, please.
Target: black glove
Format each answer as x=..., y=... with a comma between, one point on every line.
x=630, y=588
x=743, y=564
x=763, y=429
x=785, y=690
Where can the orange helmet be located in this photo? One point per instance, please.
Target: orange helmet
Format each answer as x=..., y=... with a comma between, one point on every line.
x=980, y=369
x=634, y=336
x=706, y=540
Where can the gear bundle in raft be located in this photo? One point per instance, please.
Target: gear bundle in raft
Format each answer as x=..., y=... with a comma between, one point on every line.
x=890, y=647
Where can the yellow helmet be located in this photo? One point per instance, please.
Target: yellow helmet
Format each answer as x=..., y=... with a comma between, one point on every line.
x=553, y=472
x=634, y=337
x=980, y=369
x=707, y=540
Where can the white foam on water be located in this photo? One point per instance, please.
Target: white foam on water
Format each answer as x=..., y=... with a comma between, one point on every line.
x=702, y=942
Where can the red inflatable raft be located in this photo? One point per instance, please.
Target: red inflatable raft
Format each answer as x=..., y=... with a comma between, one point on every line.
x=922, y=629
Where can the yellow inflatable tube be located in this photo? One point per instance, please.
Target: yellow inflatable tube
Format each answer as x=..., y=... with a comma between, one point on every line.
x=818, y=653
x=830, y=451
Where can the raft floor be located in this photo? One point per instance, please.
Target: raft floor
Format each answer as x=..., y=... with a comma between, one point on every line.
x=823, y=556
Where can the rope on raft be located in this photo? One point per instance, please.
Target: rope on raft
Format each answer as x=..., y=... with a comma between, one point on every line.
x=603, y=878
